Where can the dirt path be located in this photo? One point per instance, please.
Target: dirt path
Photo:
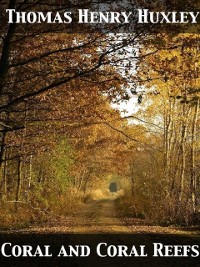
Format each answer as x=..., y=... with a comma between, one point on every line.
x=95, y=216
x=96, y=221
x=104, y=218
x=100, y=216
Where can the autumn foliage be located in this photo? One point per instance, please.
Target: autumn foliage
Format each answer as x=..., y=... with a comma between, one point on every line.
x=61, y=135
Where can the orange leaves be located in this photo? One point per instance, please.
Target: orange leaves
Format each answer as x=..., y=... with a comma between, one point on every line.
x=175, y=63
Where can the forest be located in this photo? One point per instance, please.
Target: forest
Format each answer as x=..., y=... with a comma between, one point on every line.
x=80, y=110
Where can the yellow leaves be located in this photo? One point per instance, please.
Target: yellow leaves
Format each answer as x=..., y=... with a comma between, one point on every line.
x=176, y=64
x=173, y=54
x=190, y=37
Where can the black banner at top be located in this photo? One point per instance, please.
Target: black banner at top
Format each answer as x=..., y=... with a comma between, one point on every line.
x=106, y=16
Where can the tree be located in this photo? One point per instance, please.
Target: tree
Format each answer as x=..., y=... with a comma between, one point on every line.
x=173, y=78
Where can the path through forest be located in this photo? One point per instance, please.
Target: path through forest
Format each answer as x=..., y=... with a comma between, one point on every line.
x=93, y=224
x=100, y=216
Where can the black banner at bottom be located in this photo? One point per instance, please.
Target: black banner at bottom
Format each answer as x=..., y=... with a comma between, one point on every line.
x=159, y=250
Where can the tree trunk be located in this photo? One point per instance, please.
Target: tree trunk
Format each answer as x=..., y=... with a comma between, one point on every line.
x=193, y=159
x=184, y=131
x=4, y=174
x=5, y=52
x=19, y=181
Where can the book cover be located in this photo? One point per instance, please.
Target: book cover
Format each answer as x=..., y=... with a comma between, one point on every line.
x=99, y=133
